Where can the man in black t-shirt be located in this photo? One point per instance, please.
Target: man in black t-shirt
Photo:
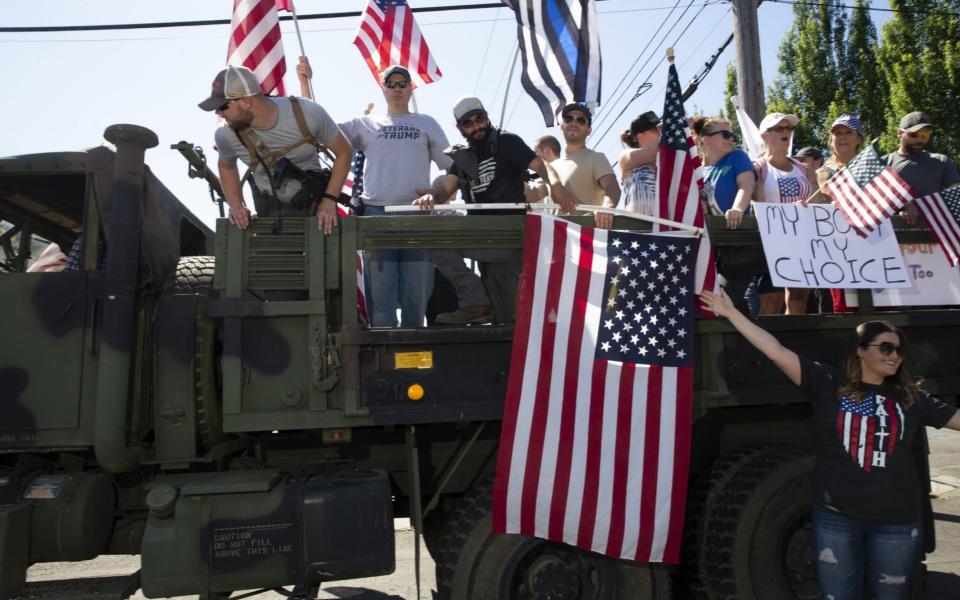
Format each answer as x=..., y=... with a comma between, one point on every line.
x=492, y=166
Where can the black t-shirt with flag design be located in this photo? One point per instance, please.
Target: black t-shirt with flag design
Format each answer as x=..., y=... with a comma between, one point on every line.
x=865, y=468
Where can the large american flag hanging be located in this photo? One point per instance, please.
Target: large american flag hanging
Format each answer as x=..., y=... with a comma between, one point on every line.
x=867, y=191
x=942, y=211
x=560, y=46
x=255, y=43
x=679, y=179
x=389, y=35
x=595, y=446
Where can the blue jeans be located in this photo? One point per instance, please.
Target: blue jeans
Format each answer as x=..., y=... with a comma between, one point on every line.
x=847, y=548
x=396, y=279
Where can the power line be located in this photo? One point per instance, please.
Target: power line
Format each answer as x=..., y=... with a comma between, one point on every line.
x=915, y=11
x=307, y=17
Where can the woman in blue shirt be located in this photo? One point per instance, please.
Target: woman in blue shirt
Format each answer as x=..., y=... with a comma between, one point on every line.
x=728, y=174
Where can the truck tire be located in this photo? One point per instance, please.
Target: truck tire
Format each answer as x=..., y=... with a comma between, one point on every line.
x=760, y=540
x=491, y=566
x=194, y=275
x=705, y=491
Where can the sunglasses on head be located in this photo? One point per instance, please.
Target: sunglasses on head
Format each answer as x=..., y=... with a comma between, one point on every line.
x=402, y=84
x=781, y=128
x=888, y=348
x=727, y=135
x=923, y=134
x=575, y=119
x=478, y=119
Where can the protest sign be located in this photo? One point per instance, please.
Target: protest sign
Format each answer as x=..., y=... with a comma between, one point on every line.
x=934, y=281
x=815, y=247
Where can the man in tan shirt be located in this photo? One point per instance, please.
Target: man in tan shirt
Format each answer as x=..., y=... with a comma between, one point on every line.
x=585, y=173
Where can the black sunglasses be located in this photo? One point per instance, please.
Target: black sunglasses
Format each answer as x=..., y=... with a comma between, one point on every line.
x=570, y=119
x=888, y=348
x=478, y=119
x=225, y=106
x=402, y=84
x=727, y=135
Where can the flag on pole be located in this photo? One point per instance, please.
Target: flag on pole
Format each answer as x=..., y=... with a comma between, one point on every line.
x=595, y=446
x=389, y=35
x=560, y=46
x=867, y=191
x=255, y=43
x=942, y=211
x=679, y=179
x=286, y=5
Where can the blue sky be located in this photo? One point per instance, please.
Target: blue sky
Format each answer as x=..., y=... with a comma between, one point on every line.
x=64, y=89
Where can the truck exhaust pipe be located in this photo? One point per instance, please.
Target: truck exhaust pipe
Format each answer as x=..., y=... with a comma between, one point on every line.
x=113, y=452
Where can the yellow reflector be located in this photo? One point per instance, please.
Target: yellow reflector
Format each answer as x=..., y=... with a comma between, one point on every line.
x=415, y=392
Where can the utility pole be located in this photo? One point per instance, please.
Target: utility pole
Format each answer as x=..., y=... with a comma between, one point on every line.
x=749, y=74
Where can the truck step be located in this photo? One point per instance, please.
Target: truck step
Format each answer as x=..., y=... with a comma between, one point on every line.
x=87, y=588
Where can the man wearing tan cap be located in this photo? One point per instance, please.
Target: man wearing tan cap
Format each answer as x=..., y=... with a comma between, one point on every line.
x=261, y=130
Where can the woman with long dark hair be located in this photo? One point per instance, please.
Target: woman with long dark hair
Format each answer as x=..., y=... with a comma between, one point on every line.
x=867, y=504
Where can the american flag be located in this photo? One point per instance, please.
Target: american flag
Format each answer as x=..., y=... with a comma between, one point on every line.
x=255, y=43
x=942, y=211
x=346, y=211
x=389, y=35
x=867, y=191
x=870, y=429
x=679, y=179
x=595, y=446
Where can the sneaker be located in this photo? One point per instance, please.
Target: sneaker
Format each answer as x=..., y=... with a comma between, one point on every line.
x=468, y=315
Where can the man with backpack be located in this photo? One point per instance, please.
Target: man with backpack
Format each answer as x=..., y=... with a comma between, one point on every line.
x=278, y=139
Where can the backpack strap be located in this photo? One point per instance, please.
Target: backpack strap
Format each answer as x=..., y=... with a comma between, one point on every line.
x=308, y=137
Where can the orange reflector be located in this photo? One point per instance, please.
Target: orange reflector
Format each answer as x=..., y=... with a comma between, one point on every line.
x=415, y=392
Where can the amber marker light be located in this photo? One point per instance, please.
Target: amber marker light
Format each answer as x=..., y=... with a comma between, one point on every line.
x=415, y=392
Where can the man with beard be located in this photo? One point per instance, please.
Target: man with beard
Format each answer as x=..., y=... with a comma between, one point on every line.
x=272, y=129
x=492, y=166
x=584, y=172
x=925, y=172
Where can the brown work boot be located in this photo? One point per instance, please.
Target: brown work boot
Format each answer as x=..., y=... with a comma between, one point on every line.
x=468, y=315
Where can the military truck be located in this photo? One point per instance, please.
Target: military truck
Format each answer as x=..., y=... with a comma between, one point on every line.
x=212, y=402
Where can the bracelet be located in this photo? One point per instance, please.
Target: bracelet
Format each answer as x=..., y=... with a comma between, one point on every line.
x=330, y=196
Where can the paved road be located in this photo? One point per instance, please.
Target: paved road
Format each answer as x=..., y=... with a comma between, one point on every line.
x=943, y=565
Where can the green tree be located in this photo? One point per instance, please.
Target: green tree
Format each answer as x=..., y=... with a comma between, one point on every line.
x=919, y=56
x=729, y=111
x=808, y=73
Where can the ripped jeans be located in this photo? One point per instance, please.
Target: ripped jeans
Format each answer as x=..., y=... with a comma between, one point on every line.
x=847, y=548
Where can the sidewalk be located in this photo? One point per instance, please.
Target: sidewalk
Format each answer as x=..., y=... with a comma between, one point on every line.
x=943, y=566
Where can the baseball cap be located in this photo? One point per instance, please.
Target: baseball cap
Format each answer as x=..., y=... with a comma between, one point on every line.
x=809, y=152
x=394, y=70
x=770, y=121
x=467, y=107
x=644, y=122
x=915, y=121
x=578, y=107
x=231, y=83
x=847, y=120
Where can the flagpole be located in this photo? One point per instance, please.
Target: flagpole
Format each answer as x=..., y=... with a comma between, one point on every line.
x=296, y=25
x=506, y=92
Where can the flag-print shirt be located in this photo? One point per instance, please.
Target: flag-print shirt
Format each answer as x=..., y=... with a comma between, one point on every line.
x=865, y=464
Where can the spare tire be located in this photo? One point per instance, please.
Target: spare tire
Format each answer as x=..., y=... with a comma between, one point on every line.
x=760, y=536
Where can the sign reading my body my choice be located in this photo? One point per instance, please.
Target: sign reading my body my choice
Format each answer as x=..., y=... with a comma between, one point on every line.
x=814, y=247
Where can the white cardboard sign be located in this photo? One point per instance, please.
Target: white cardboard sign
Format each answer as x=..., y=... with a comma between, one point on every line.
x=935, y=282
x=814, y=247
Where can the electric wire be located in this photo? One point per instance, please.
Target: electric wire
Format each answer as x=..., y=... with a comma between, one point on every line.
x=486, y=52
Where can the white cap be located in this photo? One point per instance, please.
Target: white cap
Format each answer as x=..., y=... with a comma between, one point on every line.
x=466, y=106
x=770, y=121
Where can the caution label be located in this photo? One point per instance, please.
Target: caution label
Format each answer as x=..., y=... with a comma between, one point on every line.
x=413, y=360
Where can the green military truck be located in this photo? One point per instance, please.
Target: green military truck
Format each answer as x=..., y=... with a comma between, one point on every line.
x=211, y=402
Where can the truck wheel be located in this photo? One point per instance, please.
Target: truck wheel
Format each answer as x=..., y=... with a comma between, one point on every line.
x=194, y=275
x=492, y=566
x=705, y=491
x=760, y=540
